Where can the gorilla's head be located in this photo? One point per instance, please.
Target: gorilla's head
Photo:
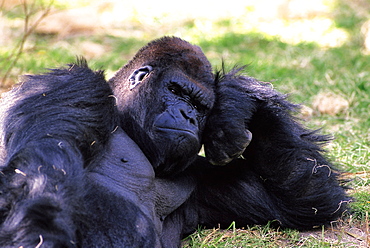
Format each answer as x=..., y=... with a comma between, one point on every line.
x=164, y=95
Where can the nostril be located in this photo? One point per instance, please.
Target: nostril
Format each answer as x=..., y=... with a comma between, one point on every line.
x=188, y=115
x=183, y=114
x=192, y=121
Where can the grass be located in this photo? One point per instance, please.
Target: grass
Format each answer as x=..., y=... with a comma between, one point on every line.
x=262, y=236
x=303, y=69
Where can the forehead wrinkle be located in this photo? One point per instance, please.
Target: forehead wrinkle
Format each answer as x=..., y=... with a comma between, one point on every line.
x=199, y=92
x=192, y=86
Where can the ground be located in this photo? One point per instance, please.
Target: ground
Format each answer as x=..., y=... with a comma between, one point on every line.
x=317, y=51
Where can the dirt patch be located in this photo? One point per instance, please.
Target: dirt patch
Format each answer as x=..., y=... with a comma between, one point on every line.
x=330, y=103
x=344, y=234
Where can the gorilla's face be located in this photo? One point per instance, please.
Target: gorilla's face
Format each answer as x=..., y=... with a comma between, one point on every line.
x=177, y=128
x=164, y=103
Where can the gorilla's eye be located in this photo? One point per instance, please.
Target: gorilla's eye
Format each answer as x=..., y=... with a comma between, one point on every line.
x=191, y=98
x=139, y=75
x=175, y=89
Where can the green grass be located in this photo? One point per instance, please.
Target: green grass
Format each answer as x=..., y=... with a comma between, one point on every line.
x=302, y=69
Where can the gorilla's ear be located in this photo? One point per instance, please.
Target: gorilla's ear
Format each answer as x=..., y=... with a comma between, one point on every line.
x=139, y=75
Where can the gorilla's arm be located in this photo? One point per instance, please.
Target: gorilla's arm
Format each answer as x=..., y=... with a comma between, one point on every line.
x=70, y=176
x=52, y=125
x=286, y=158
x=226, y=135
x=283, y=175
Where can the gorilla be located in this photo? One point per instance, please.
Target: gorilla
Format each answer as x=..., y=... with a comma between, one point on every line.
x=87, y=162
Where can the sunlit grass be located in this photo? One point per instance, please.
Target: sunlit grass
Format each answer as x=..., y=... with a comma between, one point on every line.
x=301, y=55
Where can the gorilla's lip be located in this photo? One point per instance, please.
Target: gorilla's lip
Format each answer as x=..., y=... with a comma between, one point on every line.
x=175, y=129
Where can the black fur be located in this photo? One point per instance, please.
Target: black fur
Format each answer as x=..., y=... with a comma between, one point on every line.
x=71, y=177
x=282, y=175
x=52, y=127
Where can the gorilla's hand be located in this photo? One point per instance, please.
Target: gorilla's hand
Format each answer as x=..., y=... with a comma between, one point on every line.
x=226, y=135
x=240, y=101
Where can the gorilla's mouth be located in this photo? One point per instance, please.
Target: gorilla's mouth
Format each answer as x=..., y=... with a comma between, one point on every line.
x=174, y=130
